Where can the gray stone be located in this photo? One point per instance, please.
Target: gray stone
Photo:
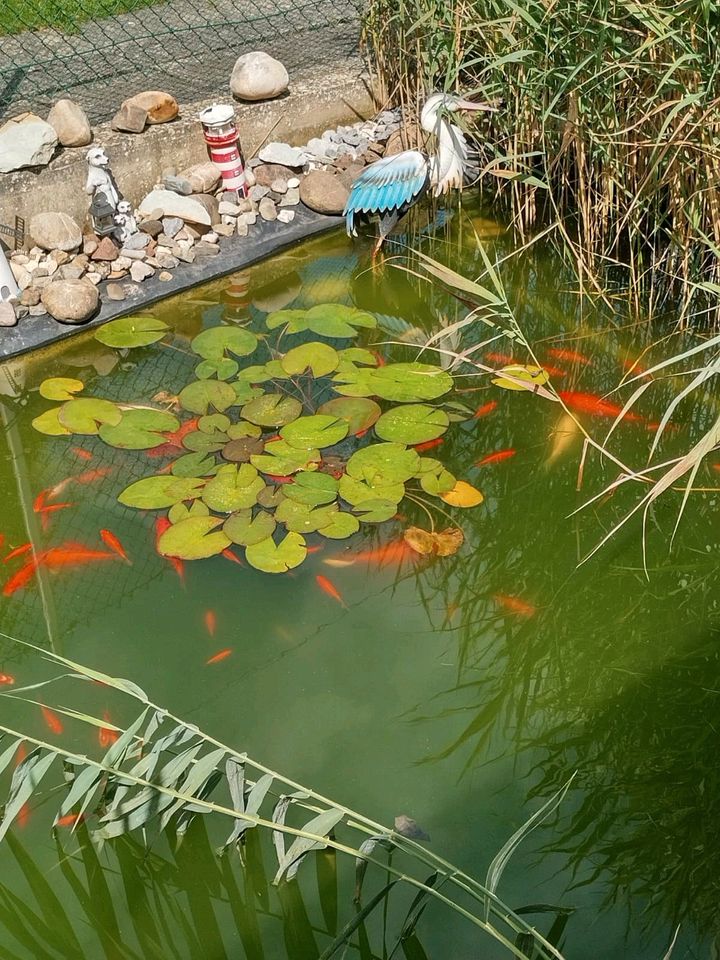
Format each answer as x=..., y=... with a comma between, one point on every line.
x=211, y=205
x=93, y=278
x=69, y=272
x=226, y=207
x=70, y=123
x=166, y=260
x=179, y=185
x=279, y=186
x=127, y=253
x=115, y=291
x=159, y=106
x=323, y=192
x=283, y=154
x=26, y=141
x=226, y=229
x=165, y=276
x=242, y=228
x=140, y=271
x=70, y=301
x=37, y=311
x=202, y=176
x=7, y=314
x=204, y=249
x=267, y=209
x=171, y=226
x=122, y=263
x=187, y=256
x=249, y=218
x=152, y=227
x=291, y=198
x=130, y=118
x=258, y=192
x=318, y=147
x=258, y=76
x=211, y=237
x=286, y=216
x=138, y=241
x=173, y=205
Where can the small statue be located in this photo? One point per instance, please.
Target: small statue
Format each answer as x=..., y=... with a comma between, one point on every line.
x=100, y=177
x=126, y=222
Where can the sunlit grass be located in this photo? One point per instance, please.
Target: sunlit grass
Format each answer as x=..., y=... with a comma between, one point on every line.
x=67, y=16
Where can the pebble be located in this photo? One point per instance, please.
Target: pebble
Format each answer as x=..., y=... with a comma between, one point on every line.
x=242, y=228
x=286, y=216
x=226, y=229
x=165, y=276
x=211, y=237
x=249, y=218
x=179, y=185
x=130, y=254
x=293, y=182
x=115, y=291
x=187, y=256
x=267, y=209
x=7, y=314
x=30, y=297
x=140, y=271
x=291, y=198
x=258, y=192
x=37, y=311
x=279, y=186
x=284, y=154
x=226, y=207
x=138, y=241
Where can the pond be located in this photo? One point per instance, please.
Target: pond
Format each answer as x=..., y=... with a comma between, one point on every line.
x=462, y=691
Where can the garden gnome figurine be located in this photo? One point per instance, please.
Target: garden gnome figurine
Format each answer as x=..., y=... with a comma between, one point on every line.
x=100, y=178
x=126, y=222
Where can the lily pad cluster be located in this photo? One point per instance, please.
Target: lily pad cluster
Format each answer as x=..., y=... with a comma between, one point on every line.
x=317, y=439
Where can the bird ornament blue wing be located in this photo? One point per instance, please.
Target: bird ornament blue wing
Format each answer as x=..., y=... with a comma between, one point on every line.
x=386, y=186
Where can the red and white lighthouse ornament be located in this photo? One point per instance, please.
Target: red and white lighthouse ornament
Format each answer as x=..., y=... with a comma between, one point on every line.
x=221, y=137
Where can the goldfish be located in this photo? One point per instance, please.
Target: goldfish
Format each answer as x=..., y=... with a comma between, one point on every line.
x=570, y=355
x=178, y=566
x=161, y=525
x=18, y=551
x=52, y=507
x=210, y=622
x=339, y=562
x=69, y=820
x=23, y=815
x=633, y=366
x=88, y=476
x=314, y=549
x=515, y=605
x=553, y=371
x=52, y=720
x=39, y=500
x=496, y=457
x=82, y=454
x=5, y=678
x=220, y=655
x=175, y=437
x=379, y=357
x=328, y=587
x=72, y=554
x=485, y=409
x=393, y=552
x=20, y=753
x=2, y=540
x=20, y=579
x=428, y=445
x=275, y=479
x=502, y=358
x=594, y=405
x=110, y=540
x=229, y=555
x=106, y=735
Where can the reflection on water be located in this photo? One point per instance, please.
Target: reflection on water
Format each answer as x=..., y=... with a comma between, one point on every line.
x=459, y=692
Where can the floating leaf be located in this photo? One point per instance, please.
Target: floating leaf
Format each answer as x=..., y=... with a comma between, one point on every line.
x=375, y=511
x=412, y=423
x=139, y=429
x=200, y=442
x=296, y=318
x=193, y=539
x=60, y=388
x=243, y=429
x=87, y=414
x=244, y=392
x=246, y=530
x=233, y=488
x=317, y=431
x=402, y=382
x=214, y=422
x=359, y=355
x=255, y=374
x=272, y=410
x=49, y=424
x=154, y=493
x=241, y=450
x=178, y=511
x=436, y=484
x=132, y=332
x=200, y=395
x=428, y=543
x=341, y=526
x=223, y=369
x=462, y=495
x=280, y=459
x=277, y=558
x=318, y=358
x=360, y=413
x=271, y=496
x=327, y=319
x=194, y=465
x=313, y=489
x=531, y=375
x=214, y=343
x=383, y=463
x=301, y=518
x=356, y=492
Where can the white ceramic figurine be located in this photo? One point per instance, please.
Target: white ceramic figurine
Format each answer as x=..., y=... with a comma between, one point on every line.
x=100, y=178
x=125, y=220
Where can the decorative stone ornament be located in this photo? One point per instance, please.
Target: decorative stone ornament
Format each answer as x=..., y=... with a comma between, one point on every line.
x=102, y=214
x=100, y=176
x=126, y=224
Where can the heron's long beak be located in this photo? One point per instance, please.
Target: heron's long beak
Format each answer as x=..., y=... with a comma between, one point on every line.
x=471, y=105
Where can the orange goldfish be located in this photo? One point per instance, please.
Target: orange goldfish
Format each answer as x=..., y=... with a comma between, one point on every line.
x=485, y=409
x=52, y=507
x=594, y=405
x=553, y=371
x=220, y=655
x=52, y=720
x=106, y=735
x=18, y=551
x=6, y=678
x=427, y=445
x=20, y=579
x=502, y=358
x=178, y=566
x=328, y=587
x=70, y=819
x=496, y=457
x=210, y=622
x=39, y=500
x=515, y=605
x=393, y=552
x=110, y=540
x=275, y=479
x=72, y=554
x=229, y=555
x=570, y=355
x=81, y=454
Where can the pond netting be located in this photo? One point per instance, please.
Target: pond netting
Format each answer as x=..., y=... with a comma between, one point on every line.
x=99, y=52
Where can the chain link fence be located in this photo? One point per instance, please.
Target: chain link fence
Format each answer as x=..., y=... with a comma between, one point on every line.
x=98, y=52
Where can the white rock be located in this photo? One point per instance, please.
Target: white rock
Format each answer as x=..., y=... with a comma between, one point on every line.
x=224, y=207
x=286, y=216
x=140, y=271
x=293, y=182
x=174, y=205
x=211, y=237
x=258, y=76
x=283, y=154
x=27, y=143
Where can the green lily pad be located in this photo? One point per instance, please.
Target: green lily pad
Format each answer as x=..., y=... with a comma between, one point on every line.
x=318, y=431
x=272, y=410
x=233, y=488
x=139, y=429
x=359, y=355
x=280, y=459
x=401, y=382
x=155, y=493
x=257, y=373
x=359, y=412
x=434, y=478
x=275, y=370
x=200, y=395
x=244, y=391
x=295, y=320
x=383, y=463
x=376, y=511
x=412, y=423
x=85, y=415
x=49, y=424
x=243, y=429
x=193, y=539
x=246, y=530
x=327, y=320
x=223, y=369
x=356, y=492
x=195, y=465
x=301, y=518
x=214, y=343
x=214, y=423
x=277, y=558
x=178, y=511
x=313, y=489
x=200, y=442
x=132, y=332
x=317, y=358
x=341, y=526
x=61, y=388
x=242, y=449
x=271, y=496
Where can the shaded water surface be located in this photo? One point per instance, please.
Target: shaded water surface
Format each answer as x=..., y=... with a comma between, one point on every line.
x=461, y=692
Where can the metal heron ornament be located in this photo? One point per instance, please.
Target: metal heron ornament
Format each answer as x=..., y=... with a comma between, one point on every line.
x=390, y=186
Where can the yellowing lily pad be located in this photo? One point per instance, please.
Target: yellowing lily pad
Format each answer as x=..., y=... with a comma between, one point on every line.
x=318, y=430
x=383, y=463
x=49, y=424
x=85, y=415
x=200, y=395
x=214, y=343
x=462, y=495
x=412, y=423
x=428, y=543
x=243, y=429
x=272, y=410
x=359, y=412
x=193, y=539
x=317, y=358
x=178, y=511
x=213, y=422
x=155, y=493
x=531, y=375
x=246, y=530
x=277, y=558
x=200, y=442
x=60, y=388
x=132, y=332
x=402, y=382
x=139, y=429
x=233, y=488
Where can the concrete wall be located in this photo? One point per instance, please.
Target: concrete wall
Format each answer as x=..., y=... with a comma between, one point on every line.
x=315, y=101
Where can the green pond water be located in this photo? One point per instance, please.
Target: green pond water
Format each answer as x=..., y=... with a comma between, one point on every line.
x=462, y=691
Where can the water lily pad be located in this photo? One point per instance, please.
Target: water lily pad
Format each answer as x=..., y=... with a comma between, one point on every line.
x=200, y=442
x=443, y=543
x=318, y=431
x=356, y=492
x=302, y=518
x=275, y=370
x=132, y=332
x=412, y=423
x=294, y=317
x=383, y=463
x=193, y=539
x=359, y=355
x=155, y=493
x=271, y=496
x=530, y=375
x=139, y=429
x=313, y=489
x=214, y=343
x=49, y=424
x=85, y=415
x=214, y=423
x=257, y=373
x=194, y=465
x=200, y=395
x=280, y=459
x=341, y=526
x=317, y=358
x=233, y=488
x=242, y=449
x=244, y=391
x=223, y=369
x=272, y=410
x=243, y=429
x=246, y=530
x=277, y=558
x=375, y=511
x=359, y=412
x=462, y=495
x=60, y=388
x=179, y=511
x=402, y=382
x=438, y=482
x=327, y=319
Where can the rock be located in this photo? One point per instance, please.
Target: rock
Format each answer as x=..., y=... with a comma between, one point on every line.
x=165, y=276
x=286, y=216
x=140, y=271
x=258, y=192
x=292, y=183
x=258, y=76
x=70, y=123
x=167, y=261
x=323, y=192
x=23, y=277
x=152, y=227
x=267, y=209
x=171, y=226
x=225, y=229
x=131, y=255
x=204, y=249
x=267, y=173
x=189, y=233
x=55, y=231
x=30, y=297
x=187, y=256
x=279, y=186
x=69, y=272
x=211, y=205
x=90, y=245
x=138, y=241
x=26, y=141
x=348, y=175
x=242, y=228
x=211, y=237
x=122, y=263
x=249, y=177
x=179, y=185
x=101, y=269
x=70, y=301
x=173, y=205
x=248, y=218
x=7, y=314
x=283, y=154
x=105, y=250
x=291, y=198
x=230, y=208
x=160, y=107
x=93, y=278
x=60, y=257
x=318, y=148
x=203, y=177
x=130, y=118
x=115, y=291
